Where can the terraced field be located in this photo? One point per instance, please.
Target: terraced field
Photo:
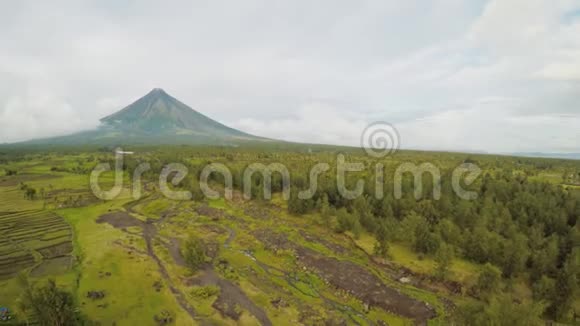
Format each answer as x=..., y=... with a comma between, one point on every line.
x=12, y=200
x=30, y=238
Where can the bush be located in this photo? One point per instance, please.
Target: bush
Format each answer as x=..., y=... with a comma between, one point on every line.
x=224, y=268
x=204, y=292
x=194, y=253
x=11, y=172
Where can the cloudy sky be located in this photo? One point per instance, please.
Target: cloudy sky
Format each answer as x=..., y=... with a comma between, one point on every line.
x=496, y=75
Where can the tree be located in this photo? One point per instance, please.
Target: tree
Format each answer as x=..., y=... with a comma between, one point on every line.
x=325, y=211
x=450, y=233
x=195, y=188
x=385, y=209
x=408, y=227
x=194, y=252
x=296, y=205
x=544, y=258
x=356, y=228
x=364, y=214
x=501, y=310
x=479, y=245
x=49, y=304
x=565, y=291
x=381, y=248
x=543, y=289
x=567, y=176
x=489, y=280
x=515, y=255
x=426, y=241
x=444, y=259
x=29, y=193
x=344, y=220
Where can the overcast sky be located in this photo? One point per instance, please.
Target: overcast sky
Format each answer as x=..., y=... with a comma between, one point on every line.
x=496, y=76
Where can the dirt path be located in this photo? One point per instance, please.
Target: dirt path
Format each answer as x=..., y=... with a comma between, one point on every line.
x=173, y=246
x=149, y=232
x=231, y=236
x=230, y=296
x=123, y=220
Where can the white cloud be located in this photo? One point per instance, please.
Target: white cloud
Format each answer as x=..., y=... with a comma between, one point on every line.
x=567, y=71
x=312, y=123
x=39, y=114
x=476, y=128
x=498, y=76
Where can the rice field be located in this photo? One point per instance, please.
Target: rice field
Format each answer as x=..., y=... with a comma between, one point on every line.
x=12, y=200
x=30, y=237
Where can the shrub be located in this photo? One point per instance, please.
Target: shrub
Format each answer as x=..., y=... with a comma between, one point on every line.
x=194, y=253
x=204, y=292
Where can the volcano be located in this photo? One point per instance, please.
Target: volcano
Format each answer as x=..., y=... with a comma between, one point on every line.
x=154, y=119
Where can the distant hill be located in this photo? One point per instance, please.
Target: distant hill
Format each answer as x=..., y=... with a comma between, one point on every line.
x=569, y=156
x=156, y=118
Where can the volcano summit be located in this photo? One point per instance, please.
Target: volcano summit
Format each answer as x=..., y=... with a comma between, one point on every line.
x=156, y=118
